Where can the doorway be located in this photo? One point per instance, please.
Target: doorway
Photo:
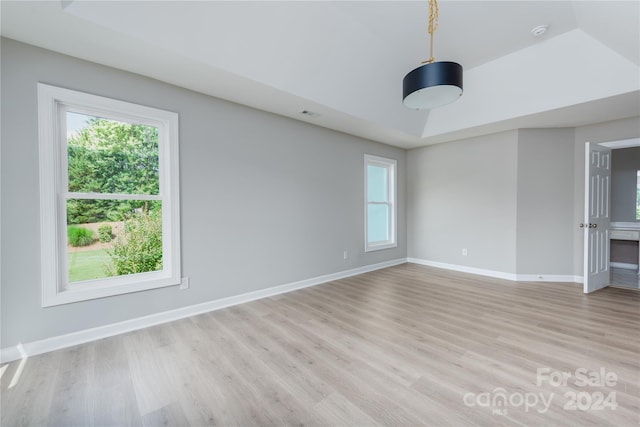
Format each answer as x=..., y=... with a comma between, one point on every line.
x=598, y=228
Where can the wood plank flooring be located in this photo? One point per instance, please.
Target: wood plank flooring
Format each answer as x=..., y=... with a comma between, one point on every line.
x=404, y=346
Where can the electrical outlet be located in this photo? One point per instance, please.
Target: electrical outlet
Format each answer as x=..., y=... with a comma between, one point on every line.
x=464, y=251
x=184, y=283
x=346, y=254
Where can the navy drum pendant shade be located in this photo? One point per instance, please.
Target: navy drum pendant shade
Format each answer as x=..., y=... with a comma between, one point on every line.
x=432, y=85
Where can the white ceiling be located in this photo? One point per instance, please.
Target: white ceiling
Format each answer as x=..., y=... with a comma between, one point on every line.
x=345, y=60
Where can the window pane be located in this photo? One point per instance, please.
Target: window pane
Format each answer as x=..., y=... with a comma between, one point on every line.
x=377, y=183
x=107, y=156
x=377, y=223
x=107, y=238
x=638, y=197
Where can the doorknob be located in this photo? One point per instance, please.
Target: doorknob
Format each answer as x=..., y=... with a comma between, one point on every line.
x=593, y=225
x=582, y=225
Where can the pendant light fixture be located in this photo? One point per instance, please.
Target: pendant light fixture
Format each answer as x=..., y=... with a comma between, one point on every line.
x=433, y=84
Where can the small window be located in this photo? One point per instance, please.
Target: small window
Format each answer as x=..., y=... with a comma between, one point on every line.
x=108, y=196
x=638, y=197
x=380, y=203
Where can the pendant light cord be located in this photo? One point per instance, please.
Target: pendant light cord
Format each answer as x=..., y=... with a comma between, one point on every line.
x=433, y=24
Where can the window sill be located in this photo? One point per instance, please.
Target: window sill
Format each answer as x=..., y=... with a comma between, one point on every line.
x=95, y=289
x=379, y=247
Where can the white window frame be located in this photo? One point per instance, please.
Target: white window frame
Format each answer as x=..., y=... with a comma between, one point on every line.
x=637, y=200
x=391, y=166
x=53, y=103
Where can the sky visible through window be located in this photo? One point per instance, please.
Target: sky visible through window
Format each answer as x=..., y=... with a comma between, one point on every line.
x=378, y=214
x=75, y=123
x=638, y=197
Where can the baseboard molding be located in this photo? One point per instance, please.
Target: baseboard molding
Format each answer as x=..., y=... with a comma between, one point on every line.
x=22, y=351
x=556, y=278
x=464, y=269
x=623, y=265
x=499, y=274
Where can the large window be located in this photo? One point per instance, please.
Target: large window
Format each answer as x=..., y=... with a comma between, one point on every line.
x=380, y=203
x=109, y=203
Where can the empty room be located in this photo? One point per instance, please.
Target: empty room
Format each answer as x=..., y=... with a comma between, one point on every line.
x=320, y=213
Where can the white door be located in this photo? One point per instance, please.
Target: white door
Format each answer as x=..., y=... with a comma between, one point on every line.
x=597, y=217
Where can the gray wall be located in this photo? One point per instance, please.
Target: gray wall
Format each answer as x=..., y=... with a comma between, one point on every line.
x=625, y=164
x=545, y=201
x=527, y=190
x=463, y=194
x=601, y=132
x=265, y=200
x=508, y=198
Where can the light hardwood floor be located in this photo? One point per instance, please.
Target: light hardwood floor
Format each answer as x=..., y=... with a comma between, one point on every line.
x=405, y=346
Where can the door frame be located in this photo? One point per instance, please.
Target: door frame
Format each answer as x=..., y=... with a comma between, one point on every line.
x=613, y=145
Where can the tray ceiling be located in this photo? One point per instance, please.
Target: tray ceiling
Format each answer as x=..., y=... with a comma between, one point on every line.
x=345, y=60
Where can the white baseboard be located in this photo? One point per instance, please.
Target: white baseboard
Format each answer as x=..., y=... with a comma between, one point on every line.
x=557, y=278
x=464, y=269
x=25, y=350
x=500, y=274
x=624, y=265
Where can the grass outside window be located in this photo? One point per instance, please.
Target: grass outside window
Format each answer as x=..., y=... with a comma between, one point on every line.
x=88, y=265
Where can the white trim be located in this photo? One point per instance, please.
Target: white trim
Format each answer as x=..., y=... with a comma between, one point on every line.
x=20, y=350
x=556, y=278
x=624, y=143
x=49, y=181
x=623, y=265
x=623, y=225
x=110, y=196
x=464, y=269
x=499, y=274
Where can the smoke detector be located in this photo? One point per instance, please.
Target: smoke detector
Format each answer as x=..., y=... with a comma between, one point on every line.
x=539, y=30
